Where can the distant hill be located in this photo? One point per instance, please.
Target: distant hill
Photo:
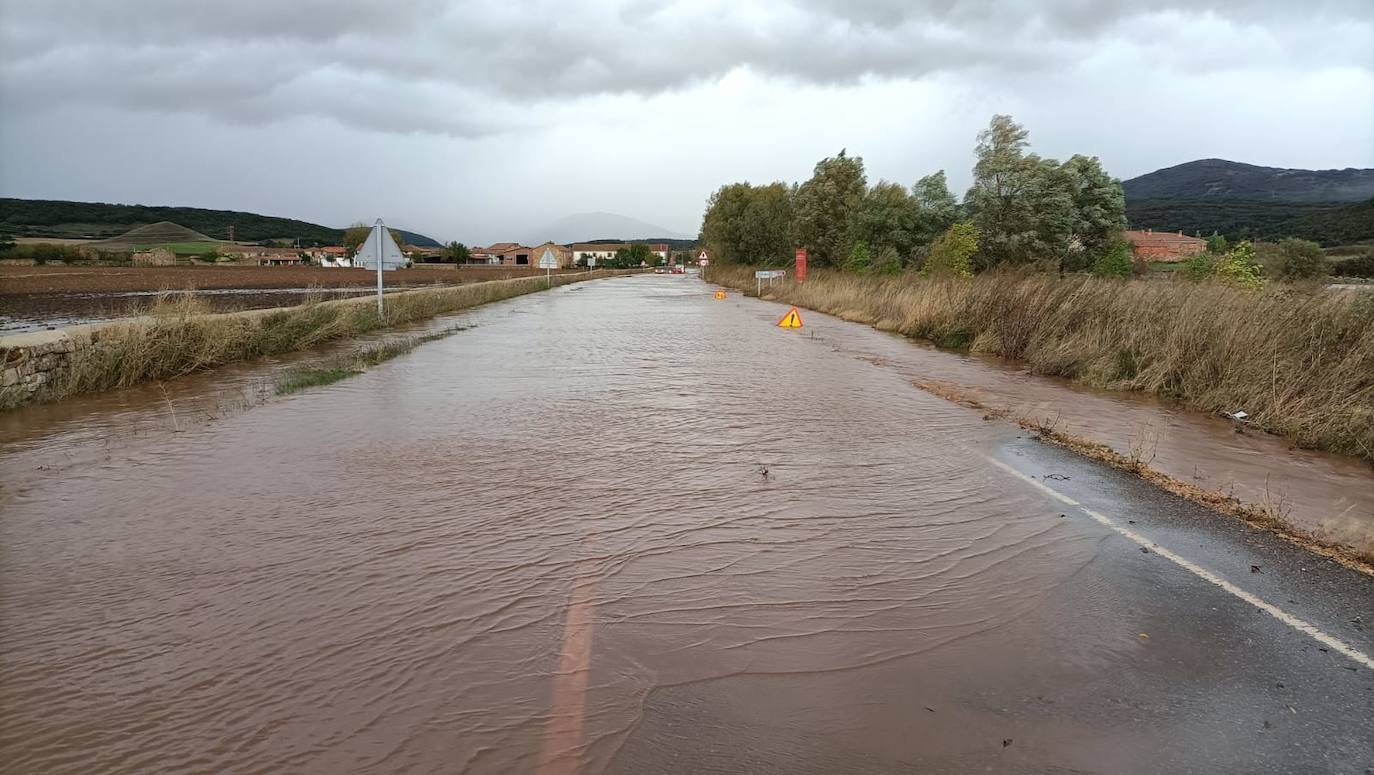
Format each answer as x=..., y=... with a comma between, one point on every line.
x=97, y=220
x=154, y=234
x=602, y=227
x=1244, y=201
x=1221, y=180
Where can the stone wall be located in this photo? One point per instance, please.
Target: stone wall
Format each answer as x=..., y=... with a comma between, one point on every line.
x=30, y=361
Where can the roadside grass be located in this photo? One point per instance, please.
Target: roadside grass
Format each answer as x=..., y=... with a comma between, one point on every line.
x=300, y=379
x=1299, y=360
x=355, y=363
x=179, y=336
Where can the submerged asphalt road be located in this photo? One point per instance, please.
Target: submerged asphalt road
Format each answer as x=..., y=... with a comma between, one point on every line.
x=623, y=527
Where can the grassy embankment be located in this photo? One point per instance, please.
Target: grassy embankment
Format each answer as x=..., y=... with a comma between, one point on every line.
x=178, y=337
x=355, y=363
x=1300, y=361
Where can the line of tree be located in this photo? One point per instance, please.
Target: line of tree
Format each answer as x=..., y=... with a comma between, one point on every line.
x=1021, y=209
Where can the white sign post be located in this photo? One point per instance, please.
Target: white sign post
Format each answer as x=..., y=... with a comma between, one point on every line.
x=770, y=275
x=548, y=262
x=379, y=249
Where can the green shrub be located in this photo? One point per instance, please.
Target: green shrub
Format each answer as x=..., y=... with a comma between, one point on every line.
x=888, y=261
x=1116, y=262
x=1217, y=245
x=1200, y=266
x=859, y=260
x=953, y=252
x=1298, y=259
x=1356, y=266
x=1239, y=267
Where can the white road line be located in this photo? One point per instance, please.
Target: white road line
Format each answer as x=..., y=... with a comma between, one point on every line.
x=1202, y=573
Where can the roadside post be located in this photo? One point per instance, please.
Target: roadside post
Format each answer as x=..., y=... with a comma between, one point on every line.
x=767, y=274
x=379, y=249
x=801, y=265
x=548, y=262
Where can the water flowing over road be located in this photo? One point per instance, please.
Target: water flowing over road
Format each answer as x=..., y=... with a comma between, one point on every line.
x=624, y=527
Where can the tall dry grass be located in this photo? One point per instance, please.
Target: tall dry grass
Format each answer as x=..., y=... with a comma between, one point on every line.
x=1299, y=361
x=179, y=336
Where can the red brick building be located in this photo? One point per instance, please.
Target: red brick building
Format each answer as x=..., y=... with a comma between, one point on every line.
x=1151, y=245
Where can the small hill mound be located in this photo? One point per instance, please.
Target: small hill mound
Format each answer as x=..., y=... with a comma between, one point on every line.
x=160, y=233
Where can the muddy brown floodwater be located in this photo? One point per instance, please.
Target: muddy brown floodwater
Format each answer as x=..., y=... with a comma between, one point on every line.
x=523, y=547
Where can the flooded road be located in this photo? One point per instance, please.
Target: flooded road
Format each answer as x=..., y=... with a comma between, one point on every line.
x=623, y=527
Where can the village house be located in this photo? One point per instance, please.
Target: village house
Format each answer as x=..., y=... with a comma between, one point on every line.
x=596, y=252
x=511, y=254
x=263, y=256
x=333, y=256
x=1166, y=246
x=482, y=257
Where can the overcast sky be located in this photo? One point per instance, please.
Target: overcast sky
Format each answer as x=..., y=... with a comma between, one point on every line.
x=481, y=121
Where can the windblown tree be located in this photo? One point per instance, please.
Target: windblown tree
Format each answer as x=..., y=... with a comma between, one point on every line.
x=749, y=224
x=1099, y=210
x=936, y=207
x=1031, y=209
x=824, y=206
x=1019, y=203
x=887, y=219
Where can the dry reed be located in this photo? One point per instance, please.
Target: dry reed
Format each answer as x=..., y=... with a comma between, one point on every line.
x=1300, y=361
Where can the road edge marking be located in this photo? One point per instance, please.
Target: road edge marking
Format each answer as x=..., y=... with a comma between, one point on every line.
x=1301, y=625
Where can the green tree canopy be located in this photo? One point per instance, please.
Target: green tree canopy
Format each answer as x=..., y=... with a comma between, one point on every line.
x=456, y=253
x=953, y=252
x=1099, y=207
x=824, y=205
x=640, y=255
x=936, y=207
x=749, y=224
x=886, y=217
x=859, y=259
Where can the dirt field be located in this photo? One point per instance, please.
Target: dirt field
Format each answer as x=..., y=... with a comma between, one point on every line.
x=25, y=280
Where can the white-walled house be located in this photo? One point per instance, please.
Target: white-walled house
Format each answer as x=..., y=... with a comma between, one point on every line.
x=594, y=253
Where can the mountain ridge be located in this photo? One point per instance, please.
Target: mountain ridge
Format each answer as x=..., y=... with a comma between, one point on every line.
x=1224, y=180
x=62, y=218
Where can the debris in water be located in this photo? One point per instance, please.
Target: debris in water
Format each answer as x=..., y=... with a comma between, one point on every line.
x=1006, y=742
x=932, y=710
x=1144, y=550
x=1057, y=477
x=1144, y=636
x=1238, y=415
x=1255, y=569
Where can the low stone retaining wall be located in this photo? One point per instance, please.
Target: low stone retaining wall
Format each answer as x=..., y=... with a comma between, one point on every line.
x=29, y=361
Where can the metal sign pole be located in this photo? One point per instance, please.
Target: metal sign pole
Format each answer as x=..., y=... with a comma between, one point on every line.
x=380, y=231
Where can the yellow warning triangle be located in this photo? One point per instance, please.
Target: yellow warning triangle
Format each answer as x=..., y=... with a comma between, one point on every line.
x=791, y=320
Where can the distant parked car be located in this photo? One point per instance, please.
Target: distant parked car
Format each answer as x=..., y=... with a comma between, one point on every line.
x=679, y=269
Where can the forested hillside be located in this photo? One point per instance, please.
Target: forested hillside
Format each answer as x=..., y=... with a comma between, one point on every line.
x=97, y=220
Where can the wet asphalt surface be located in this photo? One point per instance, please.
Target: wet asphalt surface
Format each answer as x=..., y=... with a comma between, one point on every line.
x=1132, y=665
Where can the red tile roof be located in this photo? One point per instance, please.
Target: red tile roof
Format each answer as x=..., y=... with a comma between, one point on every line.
x=1161, y=238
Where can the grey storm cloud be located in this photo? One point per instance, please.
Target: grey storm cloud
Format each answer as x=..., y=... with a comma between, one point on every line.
x=477, y=68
